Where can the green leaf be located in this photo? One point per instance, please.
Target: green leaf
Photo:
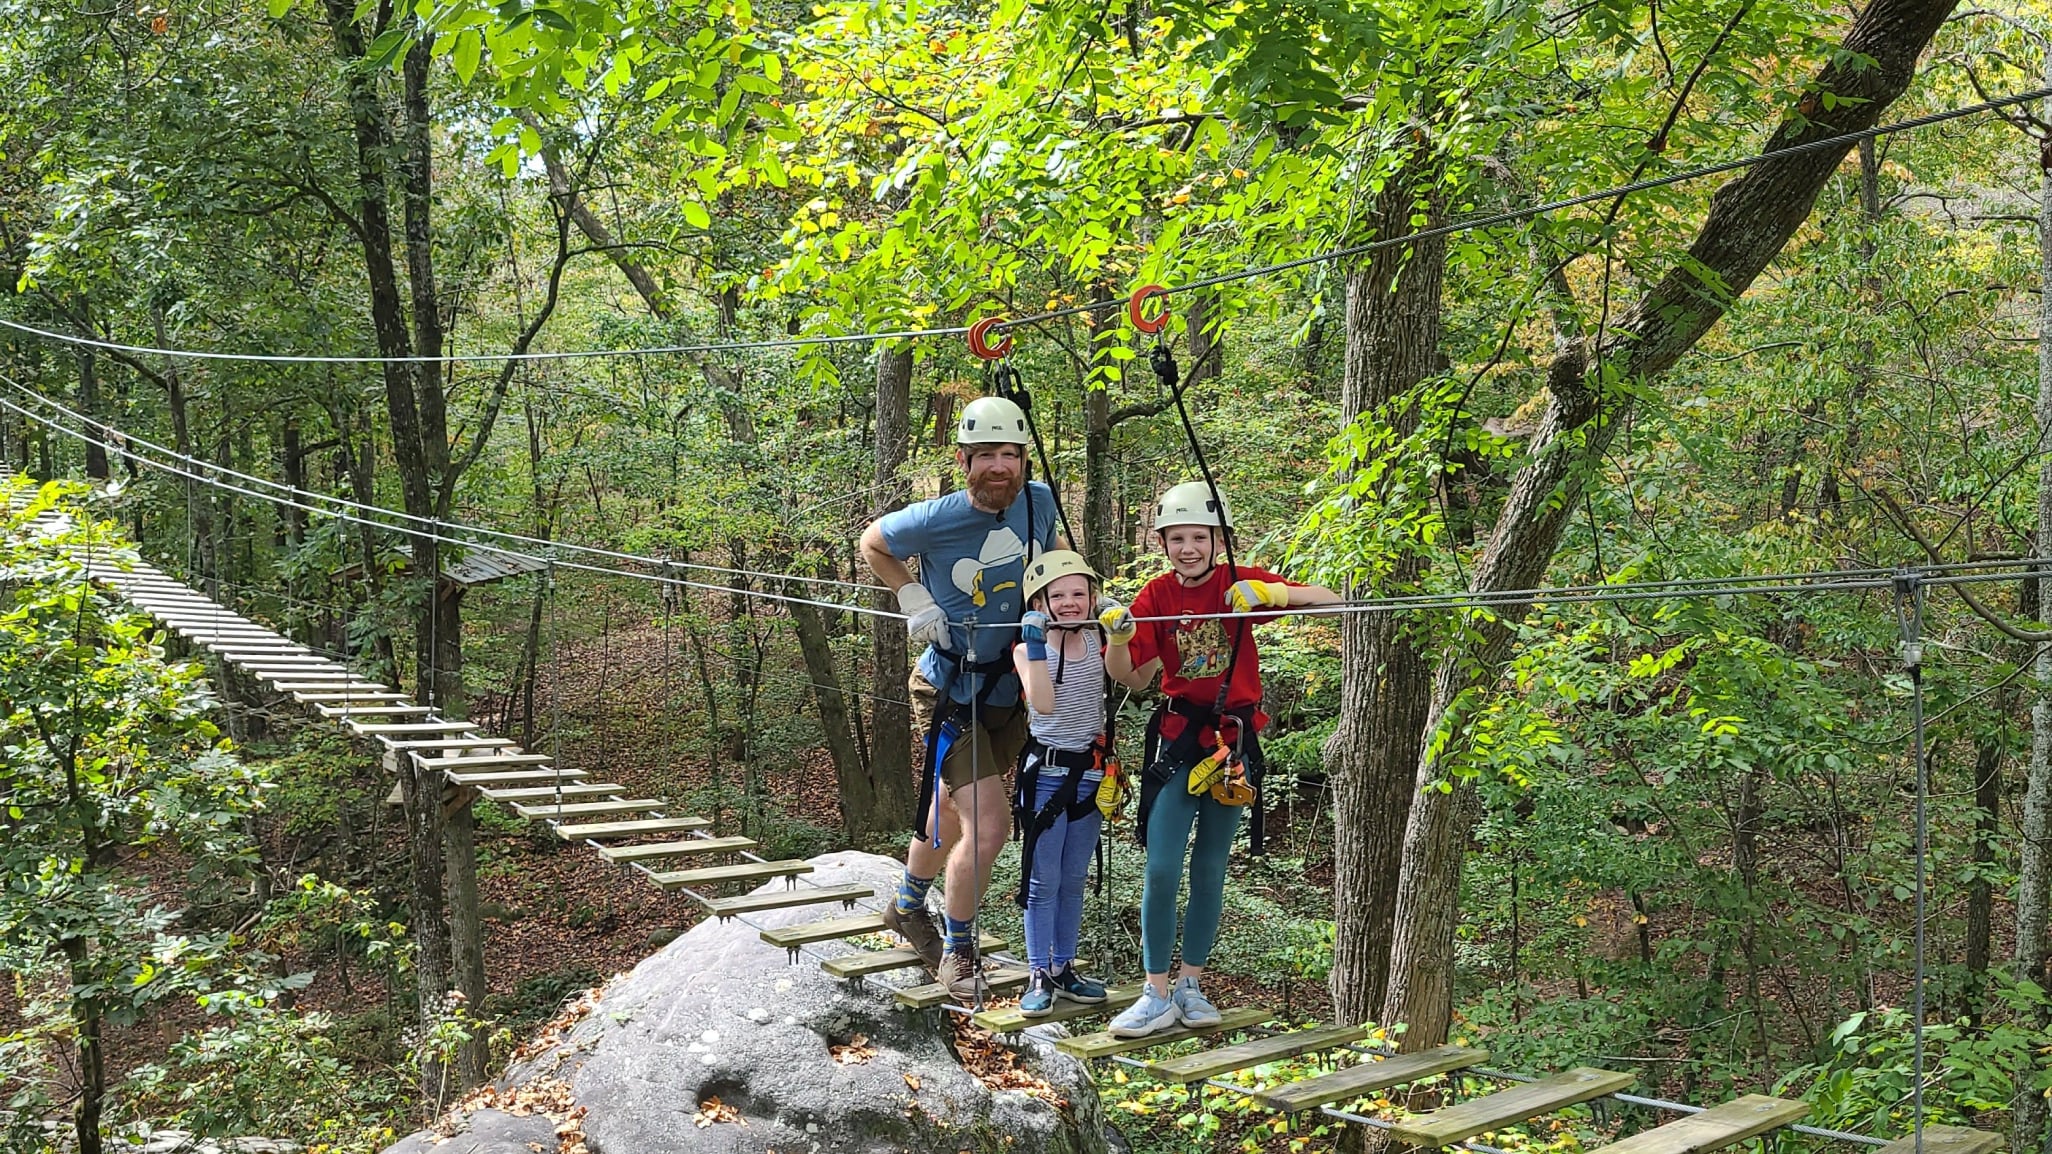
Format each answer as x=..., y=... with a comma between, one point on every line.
x=695, y=214
x=469, y=47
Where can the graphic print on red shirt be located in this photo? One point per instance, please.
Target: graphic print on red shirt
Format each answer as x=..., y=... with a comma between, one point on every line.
x=1195, y=650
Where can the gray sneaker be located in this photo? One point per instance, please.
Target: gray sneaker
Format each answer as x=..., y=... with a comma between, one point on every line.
x=919, y=932
x=1196, y=1009
x=962, y=974
x=1152, y=1014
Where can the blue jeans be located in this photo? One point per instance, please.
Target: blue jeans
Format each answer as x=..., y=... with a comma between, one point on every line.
x=1169, y=823
x=1054, y=883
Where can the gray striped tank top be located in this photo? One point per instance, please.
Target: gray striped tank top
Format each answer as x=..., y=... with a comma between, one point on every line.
x=1078, y=715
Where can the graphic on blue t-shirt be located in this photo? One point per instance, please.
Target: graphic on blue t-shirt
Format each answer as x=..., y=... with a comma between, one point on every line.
x=973, y=563
x=981, y=576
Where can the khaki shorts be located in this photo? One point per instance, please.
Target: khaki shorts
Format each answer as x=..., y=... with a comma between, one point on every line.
x=997, y=740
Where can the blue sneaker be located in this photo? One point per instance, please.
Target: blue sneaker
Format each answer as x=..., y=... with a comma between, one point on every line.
x=1195, y=1008
x=1077, y=988
x=1039, y=999
x=1152, y=1014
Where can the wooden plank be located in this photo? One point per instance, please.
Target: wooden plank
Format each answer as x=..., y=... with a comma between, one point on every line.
x=603, y=830
x=1010, y=1021
x=538, y=792
x=1947, y=1140
x=693, y=847
x=866, y=962
x=747, y=872
x=330, y=685
x=1715, y=1128
x=787, y=899
x=1103, y=1045
x=1371, y=1076
x=492, y=777
x=829, y=930
x=373, y=728
x=402, y=744
x=547, y=808
x=463, y=764
x=258, y=643
x=933, y=994
x=1446, y=1126
x=373, y=709
x=327, y=696
x=1212, y=1063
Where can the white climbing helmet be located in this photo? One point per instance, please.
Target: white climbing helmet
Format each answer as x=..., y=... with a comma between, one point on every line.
x=1191, y=503
x=1045, y=569
x=991, y=421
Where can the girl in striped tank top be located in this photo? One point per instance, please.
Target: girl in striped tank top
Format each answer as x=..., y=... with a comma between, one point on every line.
x=1060, y=660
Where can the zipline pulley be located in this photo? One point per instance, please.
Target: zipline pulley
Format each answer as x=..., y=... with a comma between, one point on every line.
x=979, y=340
x=1136, y=309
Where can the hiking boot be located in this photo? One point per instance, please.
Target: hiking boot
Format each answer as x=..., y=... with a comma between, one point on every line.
x=1151, y=1014
x=1197, y=1009
x=1039, y=999
x=1077, y=988
x=917, y=928
x=962, y=974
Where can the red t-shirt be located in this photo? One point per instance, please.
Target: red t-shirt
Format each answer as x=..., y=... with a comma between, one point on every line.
x=1194, y=652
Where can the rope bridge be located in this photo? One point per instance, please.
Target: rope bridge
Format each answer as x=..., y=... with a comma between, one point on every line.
x=681, y=854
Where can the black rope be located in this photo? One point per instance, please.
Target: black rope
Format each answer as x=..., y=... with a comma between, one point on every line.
x=1012, y=387
x=1163, y=361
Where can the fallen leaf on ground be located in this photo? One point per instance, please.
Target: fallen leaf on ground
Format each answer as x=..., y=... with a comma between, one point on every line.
x=715, y=1110
x=855, y=1052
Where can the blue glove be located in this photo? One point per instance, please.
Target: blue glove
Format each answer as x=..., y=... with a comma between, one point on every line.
x=1033, y=631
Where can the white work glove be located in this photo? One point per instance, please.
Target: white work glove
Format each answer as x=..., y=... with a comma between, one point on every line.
x=925, y=622
x=1119, y=626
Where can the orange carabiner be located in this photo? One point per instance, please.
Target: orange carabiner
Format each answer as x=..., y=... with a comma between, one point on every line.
x=1136, y=308
x=979, y=340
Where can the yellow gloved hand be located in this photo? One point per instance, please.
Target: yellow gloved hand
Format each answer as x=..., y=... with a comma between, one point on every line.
x=1119, y=626
x=1249, y=595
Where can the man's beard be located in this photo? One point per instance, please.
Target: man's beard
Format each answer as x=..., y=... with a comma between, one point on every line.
x=996, y=495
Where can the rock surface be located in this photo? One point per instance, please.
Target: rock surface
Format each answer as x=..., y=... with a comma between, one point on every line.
x=798, y=1062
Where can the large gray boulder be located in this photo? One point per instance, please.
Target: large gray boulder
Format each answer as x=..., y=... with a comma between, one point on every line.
x=718, y=1014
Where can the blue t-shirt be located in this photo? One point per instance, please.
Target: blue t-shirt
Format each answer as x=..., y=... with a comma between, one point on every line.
x=973, y=562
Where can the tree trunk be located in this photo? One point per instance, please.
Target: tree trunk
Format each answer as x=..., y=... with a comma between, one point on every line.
x=419, y=446
x=86, y=1020
x=466, y=935
x=858, y=793
x=199, y=502
x=2034, y=874
x=1749, y=221
x=89, y=404
x=1101, y=539
x=1393, y=331
x=1988, y=756
x=890, y=724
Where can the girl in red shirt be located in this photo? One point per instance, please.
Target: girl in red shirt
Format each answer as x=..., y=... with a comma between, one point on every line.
x=1196, y=650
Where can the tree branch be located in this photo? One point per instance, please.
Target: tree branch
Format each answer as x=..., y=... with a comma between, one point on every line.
x=1980, y=608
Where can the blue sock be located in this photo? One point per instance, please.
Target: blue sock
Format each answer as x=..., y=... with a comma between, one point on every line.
x=961, y=936
x=912, y=892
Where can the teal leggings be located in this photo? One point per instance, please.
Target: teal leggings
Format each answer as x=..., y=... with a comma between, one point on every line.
x=1168, y=839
